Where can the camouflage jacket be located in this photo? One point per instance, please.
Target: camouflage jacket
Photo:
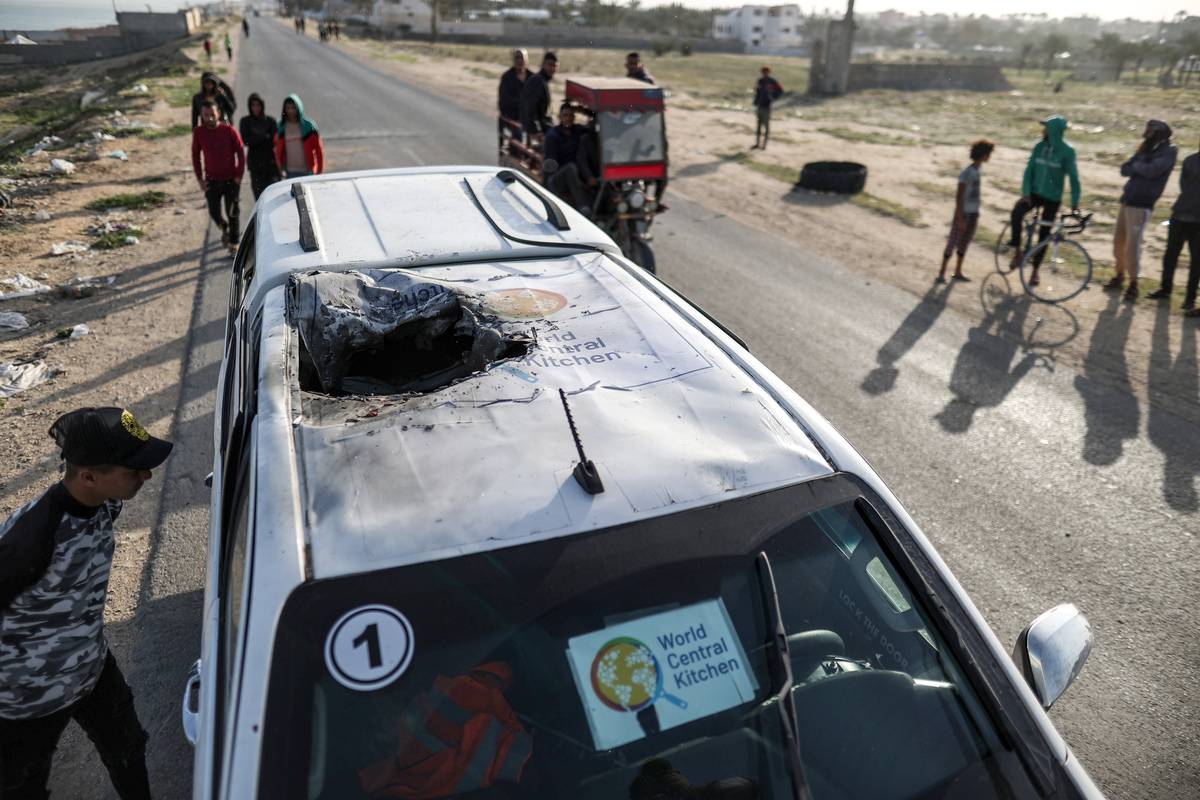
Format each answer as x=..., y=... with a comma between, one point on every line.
x=55, y=558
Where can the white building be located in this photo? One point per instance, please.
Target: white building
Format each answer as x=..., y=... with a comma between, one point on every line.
x=415, y=16
x=761, y=28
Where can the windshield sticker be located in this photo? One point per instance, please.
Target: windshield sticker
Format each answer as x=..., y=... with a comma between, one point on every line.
x=369, y=647
x=676, y=666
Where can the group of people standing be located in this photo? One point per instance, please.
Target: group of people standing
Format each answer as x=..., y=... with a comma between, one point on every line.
x=271, y=149
x=1051, y=163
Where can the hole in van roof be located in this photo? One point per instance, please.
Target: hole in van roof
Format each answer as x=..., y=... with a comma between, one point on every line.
x=388, y=333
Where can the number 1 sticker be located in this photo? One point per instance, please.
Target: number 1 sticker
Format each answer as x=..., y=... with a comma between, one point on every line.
x=369, y=647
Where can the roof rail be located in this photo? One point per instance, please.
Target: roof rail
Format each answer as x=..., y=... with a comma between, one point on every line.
x=554, y=214
x=308, y=234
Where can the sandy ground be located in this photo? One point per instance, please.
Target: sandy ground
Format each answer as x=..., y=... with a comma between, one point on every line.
x=709, y=149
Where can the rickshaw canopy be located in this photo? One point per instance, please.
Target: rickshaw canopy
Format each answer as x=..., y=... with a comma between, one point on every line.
x=615, y=94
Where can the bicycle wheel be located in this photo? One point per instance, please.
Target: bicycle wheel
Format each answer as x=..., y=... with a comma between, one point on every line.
x=1066, y=270
x=1002, y=250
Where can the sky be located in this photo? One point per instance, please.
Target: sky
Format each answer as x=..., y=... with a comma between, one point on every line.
x=1105, y=9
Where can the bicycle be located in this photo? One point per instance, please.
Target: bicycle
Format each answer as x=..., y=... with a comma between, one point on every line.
x=1064, y=266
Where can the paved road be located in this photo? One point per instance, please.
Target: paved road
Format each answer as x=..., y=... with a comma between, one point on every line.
x=1038, y=484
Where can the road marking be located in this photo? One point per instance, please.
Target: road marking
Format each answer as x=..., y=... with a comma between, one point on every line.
x=413, y=155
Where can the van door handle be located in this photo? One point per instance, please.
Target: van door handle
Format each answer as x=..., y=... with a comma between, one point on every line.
x=191, y=704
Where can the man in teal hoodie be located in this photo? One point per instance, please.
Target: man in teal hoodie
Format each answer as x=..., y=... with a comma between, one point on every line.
x=1042, y=186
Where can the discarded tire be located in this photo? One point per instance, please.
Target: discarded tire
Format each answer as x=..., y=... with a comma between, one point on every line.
x=843, y=177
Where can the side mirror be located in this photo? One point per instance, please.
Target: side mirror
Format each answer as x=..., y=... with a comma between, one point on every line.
x=1051, y=651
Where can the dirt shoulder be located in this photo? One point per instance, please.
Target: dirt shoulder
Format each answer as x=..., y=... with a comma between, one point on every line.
x=914, y=145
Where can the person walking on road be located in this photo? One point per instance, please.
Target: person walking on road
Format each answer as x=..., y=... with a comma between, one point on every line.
x=298, y=147
x=245, y=27
x=1148, y=171
x=635, y=70
x=208, y=49
x=1052, y=159
x=214, y=89
x=766, y=91
x=1184, y=227
x=56, y=554
x=535, y=100
x=220, y=178
x=509, y=95
x=228, y=46
x=258, y=133
x=967, y=202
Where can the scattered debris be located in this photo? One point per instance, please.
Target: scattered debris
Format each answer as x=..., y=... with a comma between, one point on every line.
x=119, y=155
x=69, y=248
x=5, y=199
x=139, y=88
x=118, y=120
x=74, y=332
x=13, y=321
x=91, y=98
x=85, y=286
x=179, y=212
x=16, y=378
x=60, y=166
x=114, y=234
x=45, y=143
x=22, y=286
x=41, y=215
x=103, y=136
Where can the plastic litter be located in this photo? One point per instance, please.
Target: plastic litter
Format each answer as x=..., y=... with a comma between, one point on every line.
x=22, y=286
x=101, y=136
x=119, y=155
x=41, y=215
x=110, y=227
x=13, y=321
x=91, y=97
x=68, y=248
x=132, y=240
x=86, y=285
x=16, y=378
x=139, y=88
x=60, y=166
x=74, y=332
x=45, y=143
x=118, y=120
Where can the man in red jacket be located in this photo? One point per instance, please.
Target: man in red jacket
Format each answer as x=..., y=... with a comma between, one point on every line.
x=221, y=177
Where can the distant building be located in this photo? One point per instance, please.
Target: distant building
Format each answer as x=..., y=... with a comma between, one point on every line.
x=403, y=16
x=761, y=28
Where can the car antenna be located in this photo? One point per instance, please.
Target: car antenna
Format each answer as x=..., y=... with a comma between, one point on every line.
x=585, y=471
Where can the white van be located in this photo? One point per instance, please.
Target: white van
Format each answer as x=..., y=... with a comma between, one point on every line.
x=495, y=513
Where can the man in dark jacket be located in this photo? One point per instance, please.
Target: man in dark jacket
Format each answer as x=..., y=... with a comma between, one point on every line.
x=55, y=558
x=258, y=135
x=766, y=91
x=560, y=160
x=215, y=89
x=535, y=100
x=511, y=84
x=635, y=70
x=1148, y=171
x=1184, y=228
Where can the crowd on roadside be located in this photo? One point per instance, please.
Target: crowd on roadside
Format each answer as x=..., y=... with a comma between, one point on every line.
x=270, y=149
x=1052, y=162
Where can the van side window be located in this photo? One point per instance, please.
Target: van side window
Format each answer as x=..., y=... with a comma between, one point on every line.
x=233, y=576
x=243, y=270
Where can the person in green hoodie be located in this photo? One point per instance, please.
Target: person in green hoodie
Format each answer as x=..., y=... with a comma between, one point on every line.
x=298, y=147
x=1042, y=187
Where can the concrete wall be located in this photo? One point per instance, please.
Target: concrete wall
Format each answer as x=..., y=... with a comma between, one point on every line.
x=915, y=77
x=73, y=52
x=150, y=24
x=539, y=37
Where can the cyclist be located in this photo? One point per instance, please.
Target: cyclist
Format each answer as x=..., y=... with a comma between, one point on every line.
x=1042, y=187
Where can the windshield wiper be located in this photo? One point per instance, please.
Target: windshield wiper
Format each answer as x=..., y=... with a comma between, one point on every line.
x=783, y=663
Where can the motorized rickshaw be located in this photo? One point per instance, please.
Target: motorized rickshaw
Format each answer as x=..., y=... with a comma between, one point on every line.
x=627, y=151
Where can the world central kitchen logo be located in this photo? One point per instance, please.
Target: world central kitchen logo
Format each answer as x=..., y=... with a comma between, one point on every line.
x=627, y=675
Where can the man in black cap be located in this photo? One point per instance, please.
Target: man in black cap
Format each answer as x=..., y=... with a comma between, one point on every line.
x=55, y=557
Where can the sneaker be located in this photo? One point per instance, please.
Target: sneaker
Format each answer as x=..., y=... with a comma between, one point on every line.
x=940, y=279
x=1131, y=293
x=962, y=278
x=1161, y=293
x=1114, y=284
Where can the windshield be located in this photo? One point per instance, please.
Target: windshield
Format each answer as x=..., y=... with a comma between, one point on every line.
x=631, y=137
x=633, y=662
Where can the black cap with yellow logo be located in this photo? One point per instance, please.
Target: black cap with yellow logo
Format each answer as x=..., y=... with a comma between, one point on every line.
x=90, y=437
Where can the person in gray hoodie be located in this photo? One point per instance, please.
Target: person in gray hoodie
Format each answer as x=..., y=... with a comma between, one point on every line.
x=1148, y=171
x=1184, y=228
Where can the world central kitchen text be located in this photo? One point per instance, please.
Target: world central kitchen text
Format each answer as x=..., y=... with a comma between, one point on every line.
x=694, y=659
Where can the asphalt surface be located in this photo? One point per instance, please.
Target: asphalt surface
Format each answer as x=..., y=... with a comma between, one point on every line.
x=1038, y=484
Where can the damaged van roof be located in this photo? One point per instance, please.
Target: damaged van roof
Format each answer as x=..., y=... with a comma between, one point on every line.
x=484, y=460
x=408, y=217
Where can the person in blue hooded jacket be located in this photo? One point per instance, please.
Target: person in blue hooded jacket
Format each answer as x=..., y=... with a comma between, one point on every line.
x=1052, y=160
x=1148, y=171
x=298, y=147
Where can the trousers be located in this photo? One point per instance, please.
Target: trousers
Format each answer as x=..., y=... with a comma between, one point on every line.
x=225, y=194
x=1178, y=234
x=762, y=125
x=567, y=184
x=109, y=719
x=1016, y=222
x=1127, y=240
